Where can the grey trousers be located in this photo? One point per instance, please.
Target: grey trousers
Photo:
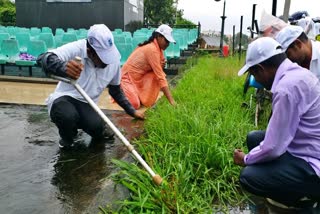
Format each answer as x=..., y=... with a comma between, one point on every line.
x=286, y=179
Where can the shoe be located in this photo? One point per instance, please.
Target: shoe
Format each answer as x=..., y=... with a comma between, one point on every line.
x=302, y=203
x=65, y=144
x=106, y=138
x=278, y=204
x=103, y=140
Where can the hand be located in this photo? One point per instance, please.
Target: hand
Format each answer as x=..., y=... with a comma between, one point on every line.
x=163, y=63
x=238, y=157
x=74, y=69
x=173, y=103
x=139, y=114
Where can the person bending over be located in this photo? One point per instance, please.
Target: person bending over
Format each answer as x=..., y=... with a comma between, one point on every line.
x=99, y=68
x=142, y=74
x=283, y=163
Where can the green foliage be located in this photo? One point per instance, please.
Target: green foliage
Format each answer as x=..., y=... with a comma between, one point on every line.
x=159, y=12
x=244, y=40
x=183, y=21
x=191, y=145
x=133, y=26
x=7, y=13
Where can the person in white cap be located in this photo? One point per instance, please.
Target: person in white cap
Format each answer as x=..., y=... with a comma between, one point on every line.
x=299, y=48
x=99, y=68
x=142, y=74
x=283, y=162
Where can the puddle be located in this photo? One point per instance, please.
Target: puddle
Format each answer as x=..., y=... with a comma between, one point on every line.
x=37, y=178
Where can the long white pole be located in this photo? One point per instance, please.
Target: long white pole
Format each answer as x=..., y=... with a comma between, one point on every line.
x=155, y=177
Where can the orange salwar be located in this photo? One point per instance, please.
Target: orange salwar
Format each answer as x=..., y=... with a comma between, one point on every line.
x=143, y=75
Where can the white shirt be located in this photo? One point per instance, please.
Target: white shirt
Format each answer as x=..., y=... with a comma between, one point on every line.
x=92, y=80
x=315, y=59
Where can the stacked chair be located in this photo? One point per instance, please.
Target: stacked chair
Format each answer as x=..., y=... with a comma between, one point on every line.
x=21, y=46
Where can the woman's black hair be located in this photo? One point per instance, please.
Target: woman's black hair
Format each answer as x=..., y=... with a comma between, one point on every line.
x=151, y=38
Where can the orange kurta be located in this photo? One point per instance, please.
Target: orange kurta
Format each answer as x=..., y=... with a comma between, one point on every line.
x=143, y=75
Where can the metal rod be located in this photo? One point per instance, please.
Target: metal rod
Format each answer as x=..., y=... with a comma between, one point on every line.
x=233, y=39
x=252, y=20
x=240, y=39
x=223, y=17
x=156, y=178
x=274, y=7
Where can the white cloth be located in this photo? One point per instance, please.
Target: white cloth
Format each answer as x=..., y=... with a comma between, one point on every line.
x=92, y=80
x=316, y=28
x=315, y=59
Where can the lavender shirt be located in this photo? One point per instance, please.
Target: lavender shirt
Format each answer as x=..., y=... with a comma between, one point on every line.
x=295, y=122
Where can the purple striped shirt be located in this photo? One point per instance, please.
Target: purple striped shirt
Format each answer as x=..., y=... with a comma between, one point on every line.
x=295, y=122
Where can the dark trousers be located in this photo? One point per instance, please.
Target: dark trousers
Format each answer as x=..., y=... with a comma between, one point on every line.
x=70, y=114
x=285, y=179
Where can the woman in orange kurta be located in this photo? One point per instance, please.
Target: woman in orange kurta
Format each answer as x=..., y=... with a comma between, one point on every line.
x=142, y=74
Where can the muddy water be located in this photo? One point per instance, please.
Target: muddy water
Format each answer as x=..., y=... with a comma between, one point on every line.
x=35, y=177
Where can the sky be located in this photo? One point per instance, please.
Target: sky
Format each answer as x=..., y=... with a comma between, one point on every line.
x=209, y=12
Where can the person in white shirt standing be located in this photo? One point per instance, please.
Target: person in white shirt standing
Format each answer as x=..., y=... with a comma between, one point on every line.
x=99, y=68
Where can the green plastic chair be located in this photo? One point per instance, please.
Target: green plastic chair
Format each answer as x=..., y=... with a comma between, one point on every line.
x=35, y=48
x=34, y=32
x=3, y=36
x=138, y=39
x=23, y=39
x=69, y=37
x=48, y=39
x=46, y=30
x=118, y=39
x=59, y=31
x=125, y=51
x=9, y=51
x=11, y=30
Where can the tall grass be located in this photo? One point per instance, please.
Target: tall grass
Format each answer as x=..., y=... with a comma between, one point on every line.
x=191, y=145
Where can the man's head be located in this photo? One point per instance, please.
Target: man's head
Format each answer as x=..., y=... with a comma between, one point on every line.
x=296, y=44
x=264, y=55
x=101, y=48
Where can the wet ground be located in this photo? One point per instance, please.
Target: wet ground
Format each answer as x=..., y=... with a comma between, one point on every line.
x=35, y=177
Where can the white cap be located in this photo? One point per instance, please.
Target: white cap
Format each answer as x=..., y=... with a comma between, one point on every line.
x=166, y=31
x=260, y=50
x=288, y=35
x=101, y=39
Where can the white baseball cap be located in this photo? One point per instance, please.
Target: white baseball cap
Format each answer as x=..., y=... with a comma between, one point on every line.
x=101, y=39
x=166, y=31
x=288, y=35
x=260, y=50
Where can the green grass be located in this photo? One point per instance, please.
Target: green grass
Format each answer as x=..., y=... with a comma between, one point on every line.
x=191, y=145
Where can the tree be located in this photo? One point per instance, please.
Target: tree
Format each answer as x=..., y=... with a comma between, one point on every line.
x=244, y=40
x=160, y=12
x=7, y=13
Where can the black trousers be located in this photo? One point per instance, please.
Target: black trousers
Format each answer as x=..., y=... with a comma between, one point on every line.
x=285, y=179
x=70, y=114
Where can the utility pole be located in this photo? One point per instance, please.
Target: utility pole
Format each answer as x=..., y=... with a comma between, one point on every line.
x=286, y=10
x=274, y=7
x=252, y=20
x=223, y=17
